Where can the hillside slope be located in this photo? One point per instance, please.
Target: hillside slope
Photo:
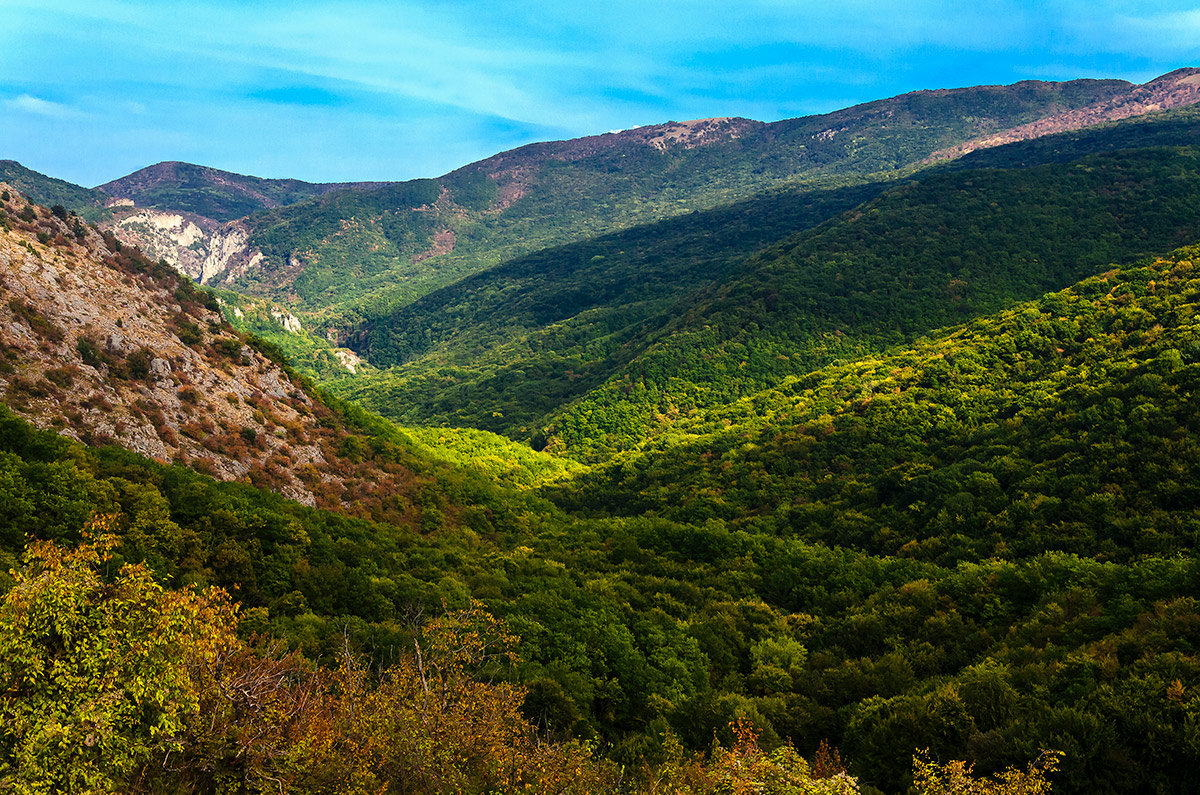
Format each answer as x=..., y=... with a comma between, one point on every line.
x=108, y=347
x=88, y=204
x=941, y=450
x=923, y=256
x=934, y=500
x=502, y=348
x=1179, y=88
x=666, y=319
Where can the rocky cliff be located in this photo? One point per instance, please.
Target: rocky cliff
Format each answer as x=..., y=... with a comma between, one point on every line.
x=199, y=247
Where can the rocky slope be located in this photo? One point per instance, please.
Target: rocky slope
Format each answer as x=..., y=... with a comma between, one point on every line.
x=106, y=346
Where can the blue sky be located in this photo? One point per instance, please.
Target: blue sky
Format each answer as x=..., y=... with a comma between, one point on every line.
x=331, y=91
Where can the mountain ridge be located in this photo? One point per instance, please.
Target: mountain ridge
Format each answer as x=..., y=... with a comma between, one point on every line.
x=651, y=171
x=177, y=186
x=1175, y=89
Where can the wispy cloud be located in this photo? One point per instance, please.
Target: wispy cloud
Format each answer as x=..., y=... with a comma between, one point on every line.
x=300, y=95
x=1175, y=30
x=26, y=103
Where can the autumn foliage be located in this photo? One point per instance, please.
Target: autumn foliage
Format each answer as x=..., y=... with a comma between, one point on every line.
x=955, y=778
x=113, y=683
x=110, y=682
x=98, y=673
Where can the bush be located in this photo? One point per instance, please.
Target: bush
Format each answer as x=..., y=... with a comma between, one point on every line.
x=137, y=364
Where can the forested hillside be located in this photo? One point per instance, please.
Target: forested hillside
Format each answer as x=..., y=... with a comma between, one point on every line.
x=915, y=259
x=566, y=317
x=1057, y=438
x=212, y=193
x=587, y=347
x=384, y=249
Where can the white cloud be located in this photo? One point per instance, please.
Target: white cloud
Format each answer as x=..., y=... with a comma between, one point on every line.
x=26, y=103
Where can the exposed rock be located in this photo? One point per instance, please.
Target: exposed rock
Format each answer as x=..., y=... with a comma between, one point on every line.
x=193, y=245
x=160, y=369
x=696, y=132
x=290, y=322
x=227, y=246
x=349, y=359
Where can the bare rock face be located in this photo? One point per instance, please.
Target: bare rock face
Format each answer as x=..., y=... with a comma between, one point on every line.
x=290, y=322
x=694, y=133
x=195, y=246
x=229, y=247
x=160, y=369
x=348, y=359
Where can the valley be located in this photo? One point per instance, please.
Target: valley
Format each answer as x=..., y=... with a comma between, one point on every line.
x=686, y=446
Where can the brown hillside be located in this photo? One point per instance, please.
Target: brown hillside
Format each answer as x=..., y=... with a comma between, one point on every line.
x=106, y=346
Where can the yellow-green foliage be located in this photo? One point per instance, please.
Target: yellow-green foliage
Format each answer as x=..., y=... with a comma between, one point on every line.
x=742, y=769
x=954, y=778
x=115, y=684
x=95, y=671
x=493, y=455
